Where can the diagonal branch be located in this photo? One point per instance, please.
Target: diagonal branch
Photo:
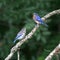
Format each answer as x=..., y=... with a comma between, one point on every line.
x=54, y=52
x=15, y=48
x=51, y=14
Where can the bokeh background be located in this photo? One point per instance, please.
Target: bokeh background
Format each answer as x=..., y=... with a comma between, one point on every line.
x=16, y=14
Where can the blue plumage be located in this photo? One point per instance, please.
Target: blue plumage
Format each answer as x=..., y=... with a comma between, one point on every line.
x=38, y=19
x=20, y=35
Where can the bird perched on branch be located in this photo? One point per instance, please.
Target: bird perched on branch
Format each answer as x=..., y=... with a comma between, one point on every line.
x=20, y=35
x=38, y=19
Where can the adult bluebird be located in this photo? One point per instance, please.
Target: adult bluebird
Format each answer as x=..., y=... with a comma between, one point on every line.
x=38, y=19
x=20, y=35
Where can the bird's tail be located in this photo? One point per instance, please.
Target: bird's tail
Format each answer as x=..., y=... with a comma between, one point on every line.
x=45, y=24
x=14, y=40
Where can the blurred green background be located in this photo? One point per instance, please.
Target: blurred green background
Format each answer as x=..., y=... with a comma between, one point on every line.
x=16, y=14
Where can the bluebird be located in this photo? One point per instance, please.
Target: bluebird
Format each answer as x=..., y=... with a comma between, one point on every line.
x=38, y=19
x=20, y=35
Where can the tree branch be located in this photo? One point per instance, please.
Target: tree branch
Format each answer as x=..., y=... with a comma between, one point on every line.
x=51, y=14
x=54, y=52
x=15, y=48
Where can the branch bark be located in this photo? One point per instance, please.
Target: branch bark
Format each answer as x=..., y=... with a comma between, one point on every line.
x=15, y=48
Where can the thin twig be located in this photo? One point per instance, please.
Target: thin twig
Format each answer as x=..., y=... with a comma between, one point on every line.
x=18, y=55
x=15, y=48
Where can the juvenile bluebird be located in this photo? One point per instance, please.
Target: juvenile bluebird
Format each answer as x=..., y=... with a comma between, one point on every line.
x=20, y=35
x=38, y=19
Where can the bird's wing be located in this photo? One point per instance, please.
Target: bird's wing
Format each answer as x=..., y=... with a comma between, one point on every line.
x=23, y=30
